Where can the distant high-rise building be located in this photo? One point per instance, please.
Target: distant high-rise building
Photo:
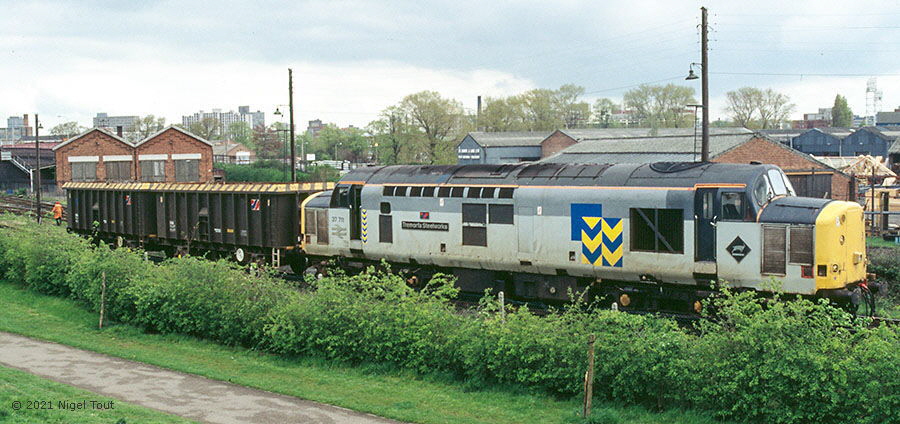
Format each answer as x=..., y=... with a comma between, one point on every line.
x=315, y=126
x=114, y=123
x=225, y=119
x=17, y=128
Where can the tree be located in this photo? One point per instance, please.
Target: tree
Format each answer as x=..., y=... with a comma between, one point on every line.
x=146, y=126
x=268, y=142
x=774, y=109
x=504, y=114
x=68, y=129
x=240, y=132
x=742, y=105
x=602, y=112
x=574, y=114
x=441, y=123
x=661, y=106
x=394, y=139
x=206, y=128
x=841, y=114
x=754, y=108
x=342, y=144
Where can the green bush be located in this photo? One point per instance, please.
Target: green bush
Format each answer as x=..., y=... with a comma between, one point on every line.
x=759, y=360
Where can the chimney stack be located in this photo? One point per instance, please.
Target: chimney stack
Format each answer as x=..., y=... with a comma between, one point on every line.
x=478, y=116
x=26, y=125
x=119, y=131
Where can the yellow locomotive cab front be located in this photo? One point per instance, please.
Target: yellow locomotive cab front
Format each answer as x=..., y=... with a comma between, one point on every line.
x=840, y=246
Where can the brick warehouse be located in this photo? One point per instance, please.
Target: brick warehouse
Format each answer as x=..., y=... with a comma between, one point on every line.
x=170, y=155
x=174, y=155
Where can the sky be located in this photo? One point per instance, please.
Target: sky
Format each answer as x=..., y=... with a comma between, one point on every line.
x=68, y=60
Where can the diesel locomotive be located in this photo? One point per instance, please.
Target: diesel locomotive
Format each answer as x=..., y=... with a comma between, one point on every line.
x=646, y=236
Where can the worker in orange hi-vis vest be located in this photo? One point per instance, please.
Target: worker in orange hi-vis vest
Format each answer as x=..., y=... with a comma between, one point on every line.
x=57, y=213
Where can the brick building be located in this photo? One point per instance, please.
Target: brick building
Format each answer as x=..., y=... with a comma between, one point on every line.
x=170, y=155
x=95, y=155
x=174, y=155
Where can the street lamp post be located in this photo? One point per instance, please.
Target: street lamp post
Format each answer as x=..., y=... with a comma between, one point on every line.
x=37, y=155
x=704, y=84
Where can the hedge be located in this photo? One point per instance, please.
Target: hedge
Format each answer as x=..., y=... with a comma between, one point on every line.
x=761, y=360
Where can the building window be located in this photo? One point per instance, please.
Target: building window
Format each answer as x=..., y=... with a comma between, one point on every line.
x=153, y=170
x=187, y=170
x=118, y=171
x=657, y=230
x=84, y=171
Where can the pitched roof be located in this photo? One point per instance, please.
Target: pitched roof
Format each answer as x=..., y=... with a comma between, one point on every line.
x=221, y=149
x=621, y=133
x=889, y=117
x=101, y=130
x=649, y=148
x=172, y=127
x=509, y=138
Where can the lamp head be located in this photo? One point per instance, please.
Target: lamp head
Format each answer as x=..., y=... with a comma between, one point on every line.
x=691, y=75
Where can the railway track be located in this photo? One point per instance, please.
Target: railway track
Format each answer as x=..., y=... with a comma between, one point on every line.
x=23, y=206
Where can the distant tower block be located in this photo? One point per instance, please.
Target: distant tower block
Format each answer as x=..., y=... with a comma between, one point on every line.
x=873, y=101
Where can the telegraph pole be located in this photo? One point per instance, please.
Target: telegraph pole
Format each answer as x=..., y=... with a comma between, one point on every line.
x=704, y=69
x=37, y=155
x=291, y=111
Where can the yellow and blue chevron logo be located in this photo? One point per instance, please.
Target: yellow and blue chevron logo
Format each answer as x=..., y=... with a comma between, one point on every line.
x=365, y=225
x=601, y=238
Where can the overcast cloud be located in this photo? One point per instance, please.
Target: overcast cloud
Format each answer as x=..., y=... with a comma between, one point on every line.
x=68, y=60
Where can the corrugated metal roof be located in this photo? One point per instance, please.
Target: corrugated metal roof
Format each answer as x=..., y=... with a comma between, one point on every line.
x=509, y=138
x=664, y=144
x=889, y=117
x=619, y=133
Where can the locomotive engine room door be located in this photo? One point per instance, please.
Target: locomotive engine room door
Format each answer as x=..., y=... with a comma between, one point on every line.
x=705, y=230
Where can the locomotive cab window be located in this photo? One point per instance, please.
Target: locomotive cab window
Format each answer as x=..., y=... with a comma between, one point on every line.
x=341, y=197
x=733, y=206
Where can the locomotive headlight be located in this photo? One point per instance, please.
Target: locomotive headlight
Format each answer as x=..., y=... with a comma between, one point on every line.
x=841, y=239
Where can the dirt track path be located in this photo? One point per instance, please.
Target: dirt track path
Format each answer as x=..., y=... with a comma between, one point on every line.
x=190, y=396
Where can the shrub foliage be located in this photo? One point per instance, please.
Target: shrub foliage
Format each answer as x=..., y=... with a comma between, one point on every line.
x=761, y=360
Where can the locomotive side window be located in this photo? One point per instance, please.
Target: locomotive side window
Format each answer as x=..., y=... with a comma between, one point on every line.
x=444, y=192
x=428, y=192
x=487, y=193
x=657, y=230
x=457, y=191
x=415, y=191
x=385, y=207
x=387, y=191
x=474, y=213
x=733, y=206
x=474, y=218
x=500, y=214
x=474, y=192
x=506, y=193
x=400, y=191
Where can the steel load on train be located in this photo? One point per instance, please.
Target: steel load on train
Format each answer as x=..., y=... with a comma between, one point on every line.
x=646, y=235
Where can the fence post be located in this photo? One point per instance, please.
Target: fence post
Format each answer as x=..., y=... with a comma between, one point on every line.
x=589, y=377
x=102, y=297
x=502, y=301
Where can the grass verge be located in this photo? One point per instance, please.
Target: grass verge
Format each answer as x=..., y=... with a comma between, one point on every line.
x=38, y=402
x=382, y=391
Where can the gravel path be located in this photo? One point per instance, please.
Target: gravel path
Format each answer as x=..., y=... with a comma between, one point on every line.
x=190, y=396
